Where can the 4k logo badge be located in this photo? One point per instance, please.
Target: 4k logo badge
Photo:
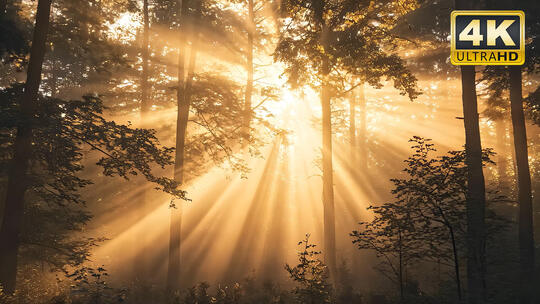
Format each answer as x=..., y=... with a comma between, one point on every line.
x=487, y=37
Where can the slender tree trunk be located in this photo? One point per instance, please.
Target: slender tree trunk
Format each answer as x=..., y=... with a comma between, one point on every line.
x=502, y=162
x=476, y=192
x=173, y=270
x=352, y=132
x=476, y=196
x=184, y=103
x=401, y=288
x=526, y=238
x=362, y=136
x=145, y=104
x=17, y=179
x=249, y=67
x=328, y=183
x=456, y=262
x=327, y=166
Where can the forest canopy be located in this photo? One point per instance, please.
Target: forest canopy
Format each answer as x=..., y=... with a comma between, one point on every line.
x=249, y=151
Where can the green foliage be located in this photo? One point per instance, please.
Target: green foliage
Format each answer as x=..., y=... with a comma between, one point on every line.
x=387, y=235
x=425, y=31
x=90, y=287
x=497, y=79
x=81, y=52
x=215, y=109
x=246, y=293
x=426, y=222
x=198, y=294
x=341, y=39
x=249, y=291
x=228, y=294
x=311, y=275
x=216, y=102
x=62, y=131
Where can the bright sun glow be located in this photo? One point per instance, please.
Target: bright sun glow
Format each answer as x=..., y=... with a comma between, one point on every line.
x=125, y=28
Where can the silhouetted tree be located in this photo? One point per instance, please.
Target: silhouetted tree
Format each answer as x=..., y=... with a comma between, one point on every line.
x=476, y=193
x=311, y=275
x=61, y=130
x=388, y=235
x=502, y=80
x=322, y=43
x=17, y=180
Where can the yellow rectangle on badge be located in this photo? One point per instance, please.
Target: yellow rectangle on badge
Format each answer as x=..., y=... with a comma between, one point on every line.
x=487, y=37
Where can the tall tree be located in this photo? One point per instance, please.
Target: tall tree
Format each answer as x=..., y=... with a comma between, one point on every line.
x=17, y=180
x=500, y=80
x=207, y=103
x=430, y=208
x=525, y=218
x=476, y=196
x=388, y=235
x=476, y=192
x=173, y=270
x=323, y=43
x=185, y=84
x=54, y=206
x=526, y=237
x=252, y=28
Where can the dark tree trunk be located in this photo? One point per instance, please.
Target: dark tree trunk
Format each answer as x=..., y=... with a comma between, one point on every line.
x=456, y=262
x=476, y=192
x=249, y=67
x=173, y=270
x=17, y=179
x=327, y=166
x=401, y=288
x=476, y=196
x=184, y=103
x=525, y=218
